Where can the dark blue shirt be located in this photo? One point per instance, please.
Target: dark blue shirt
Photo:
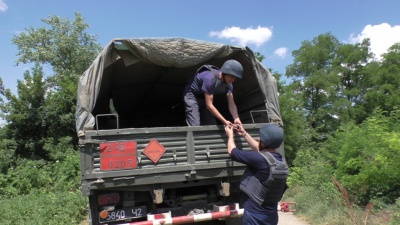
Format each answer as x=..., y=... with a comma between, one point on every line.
x=260, y=168
x=207, y=82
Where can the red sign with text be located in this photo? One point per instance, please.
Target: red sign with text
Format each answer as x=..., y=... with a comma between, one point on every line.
x=118, y=155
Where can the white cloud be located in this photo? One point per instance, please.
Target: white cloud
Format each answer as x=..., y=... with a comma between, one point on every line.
x=381, y=37
x=3, y=6
x=244, y=37
x=281, y=52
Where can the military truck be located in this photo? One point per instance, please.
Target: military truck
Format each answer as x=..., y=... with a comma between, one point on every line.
x=140, y=162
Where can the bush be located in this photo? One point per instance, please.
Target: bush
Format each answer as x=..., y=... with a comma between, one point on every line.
x=51, y=208
x=67, y=173
x=368, y=158
x=41, y=176
x=7, y=153
x=364, y=162
x=27, y=176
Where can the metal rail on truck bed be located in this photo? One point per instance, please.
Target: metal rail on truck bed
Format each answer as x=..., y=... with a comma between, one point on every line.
x=193, y=156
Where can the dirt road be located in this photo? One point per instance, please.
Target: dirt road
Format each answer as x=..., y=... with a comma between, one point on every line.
x=287, y=218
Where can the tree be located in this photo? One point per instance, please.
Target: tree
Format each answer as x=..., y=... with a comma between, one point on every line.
x=65, y=46
x=352, y=60
x=383, y=82
x=314, y=66
x=260, y=57
x=42, y=114
x=298, y=133
x=23, y=113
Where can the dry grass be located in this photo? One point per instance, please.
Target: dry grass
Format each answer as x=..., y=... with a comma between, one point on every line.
x=349, y=204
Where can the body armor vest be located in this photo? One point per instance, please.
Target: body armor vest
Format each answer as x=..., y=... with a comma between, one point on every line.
x=220, y=87
x=271, y=190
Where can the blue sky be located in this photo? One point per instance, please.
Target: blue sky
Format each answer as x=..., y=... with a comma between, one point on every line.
x=273, y=28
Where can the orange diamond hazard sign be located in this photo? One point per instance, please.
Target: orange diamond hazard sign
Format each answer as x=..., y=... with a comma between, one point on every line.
x=154, y=150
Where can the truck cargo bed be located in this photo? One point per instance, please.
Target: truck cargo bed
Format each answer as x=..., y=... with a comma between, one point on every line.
x=191, y=154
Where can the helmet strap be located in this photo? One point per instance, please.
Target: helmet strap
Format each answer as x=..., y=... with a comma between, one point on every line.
x=262, y=146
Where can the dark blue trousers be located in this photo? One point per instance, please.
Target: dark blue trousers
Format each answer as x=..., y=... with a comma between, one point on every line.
x=196, y=111
x=250, y=218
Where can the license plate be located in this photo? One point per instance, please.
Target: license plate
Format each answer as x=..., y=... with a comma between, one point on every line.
x=123, y=214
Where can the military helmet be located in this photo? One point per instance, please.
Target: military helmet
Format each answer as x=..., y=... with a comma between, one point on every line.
x=232, y=67
x=271, y=135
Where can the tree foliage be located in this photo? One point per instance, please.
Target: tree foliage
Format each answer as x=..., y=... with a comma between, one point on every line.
x=260, y=57
x=64, y=45
x=383, y=82
x=314, y=65
x=42, y=111
x=368, y=157
x=23, y=114
x=350, y=103
x=341, y=83
x=7, y=151
x=298, y=133
x=351, y=60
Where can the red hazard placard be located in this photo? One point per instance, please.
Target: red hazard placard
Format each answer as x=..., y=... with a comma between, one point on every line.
x=154, y=150
x=118, y=155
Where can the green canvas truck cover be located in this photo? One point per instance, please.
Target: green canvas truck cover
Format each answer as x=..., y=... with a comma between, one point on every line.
x=131, y=71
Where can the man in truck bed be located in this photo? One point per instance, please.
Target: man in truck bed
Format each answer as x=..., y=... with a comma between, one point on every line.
x=199, y=93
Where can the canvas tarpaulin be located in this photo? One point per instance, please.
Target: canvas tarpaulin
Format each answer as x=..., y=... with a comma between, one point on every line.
x=166, y=52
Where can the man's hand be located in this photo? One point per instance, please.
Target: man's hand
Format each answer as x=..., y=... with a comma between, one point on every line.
x=228, y=123
x=229, y=131
x=237, y=122
x=240, y=130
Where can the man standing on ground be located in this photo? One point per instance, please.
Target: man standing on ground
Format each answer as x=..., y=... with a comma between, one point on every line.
x=199, y=94
x=264, y=180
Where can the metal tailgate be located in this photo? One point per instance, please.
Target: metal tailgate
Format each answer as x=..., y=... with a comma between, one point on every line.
x=191, y=153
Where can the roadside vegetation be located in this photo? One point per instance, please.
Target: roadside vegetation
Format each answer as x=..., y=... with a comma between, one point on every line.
x=341, y=116
x=340, y=108
x=353, y=178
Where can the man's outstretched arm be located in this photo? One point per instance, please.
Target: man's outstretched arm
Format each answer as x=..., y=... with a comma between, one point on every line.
x=230, y=143
x=210, y=106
